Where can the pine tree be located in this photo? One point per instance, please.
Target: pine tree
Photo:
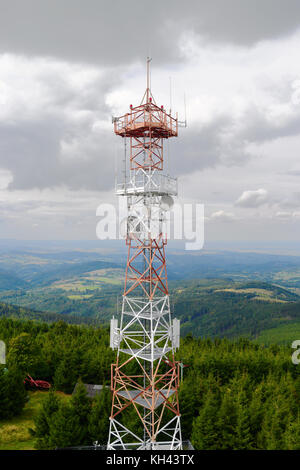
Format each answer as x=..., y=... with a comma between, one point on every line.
x=99, y=417
x=273, y=427
x=205, y=434
x=291, y=436
x=243, y=435
x=42, y=422
x=23, y=353
x=66, y=374
x=256, y=414
x=68, y=426
x=13, y=395
x=227, y=421
x=82, y=408
x=65, y=428
x=4, y=395
x=189, y=396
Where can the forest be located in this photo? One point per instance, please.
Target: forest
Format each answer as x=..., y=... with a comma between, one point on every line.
x=206, y=307
x=235, y=394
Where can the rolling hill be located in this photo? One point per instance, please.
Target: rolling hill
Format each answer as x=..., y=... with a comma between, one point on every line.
x=225, y=309
x=21, y=313
x=224, y=294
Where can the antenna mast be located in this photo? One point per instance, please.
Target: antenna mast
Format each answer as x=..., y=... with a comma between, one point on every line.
x=145, y=376
x=148, y=79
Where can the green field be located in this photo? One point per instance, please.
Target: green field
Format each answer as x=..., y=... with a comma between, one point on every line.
x=90, y=281
x=259, y=294
x=79, y=296
x=14, y=433
x=284, y=334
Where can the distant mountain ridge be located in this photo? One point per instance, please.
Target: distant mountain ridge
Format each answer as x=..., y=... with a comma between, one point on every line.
x=22, y=313
x=225, y=294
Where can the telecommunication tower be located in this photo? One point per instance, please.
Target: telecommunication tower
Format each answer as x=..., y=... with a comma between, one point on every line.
x=145, y=377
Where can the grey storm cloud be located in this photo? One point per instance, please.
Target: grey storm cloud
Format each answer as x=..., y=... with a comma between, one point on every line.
x=33, y=156
x=102, y=31
x=257, y=127
x=48, y=147
x=202, y=147
x=31, y=149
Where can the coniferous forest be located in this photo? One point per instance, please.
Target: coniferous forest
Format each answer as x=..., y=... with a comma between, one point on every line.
x=235, y=394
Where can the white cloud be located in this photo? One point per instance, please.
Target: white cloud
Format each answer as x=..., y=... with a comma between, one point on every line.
x=283, y=215
x=222, y=215
x=252, y=199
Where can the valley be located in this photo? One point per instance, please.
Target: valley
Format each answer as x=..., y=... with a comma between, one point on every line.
x=215, y=294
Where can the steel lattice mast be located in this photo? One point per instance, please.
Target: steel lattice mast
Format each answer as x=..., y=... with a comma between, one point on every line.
x=145, y=377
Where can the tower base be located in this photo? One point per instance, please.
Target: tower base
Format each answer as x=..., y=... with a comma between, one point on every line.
x=168, y=437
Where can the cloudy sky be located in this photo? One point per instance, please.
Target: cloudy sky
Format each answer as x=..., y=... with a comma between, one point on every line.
x=67, y=66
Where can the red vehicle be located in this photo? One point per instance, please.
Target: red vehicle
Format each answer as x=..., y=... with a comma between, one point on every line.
x=37, y=384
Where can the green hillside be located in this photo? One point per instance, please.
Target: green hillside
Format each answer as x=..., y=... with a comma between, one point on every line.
x=216, y=308
x=206, y=307
x=23, y=313
x=9, y=280
x=215, y=294
x=283, y=334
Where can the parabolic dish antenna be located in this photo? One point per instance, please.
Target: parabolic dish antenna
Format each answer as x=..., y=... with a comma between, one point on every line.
x=166, y=203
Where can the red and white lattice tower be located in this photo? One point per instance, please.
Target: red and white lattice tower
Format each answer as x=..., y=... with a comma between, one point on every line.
x=145, y=376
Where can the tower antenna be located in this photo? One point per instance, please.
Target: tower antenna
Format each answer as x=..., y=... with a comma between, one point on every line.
x=146, y=337
x=148, y=78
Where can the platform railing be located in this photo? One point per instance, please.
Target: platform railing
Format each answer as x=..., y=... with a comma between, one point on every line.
x=136, y=120
x=160, y=184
